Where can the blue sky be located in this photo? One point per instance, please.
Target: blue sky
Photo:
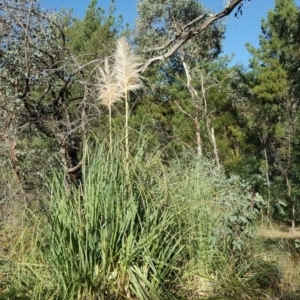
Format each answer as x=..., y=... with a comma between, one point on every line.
x=239, y=31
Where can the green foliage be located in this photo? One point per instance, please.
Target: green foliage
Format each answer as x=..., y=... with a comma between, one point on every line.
x=139, y=229
x=94, y=35
x=149, y=221
x=271, y=78
x=113, y=238
x=274, y=104
x=160, y=21
x=284, y=19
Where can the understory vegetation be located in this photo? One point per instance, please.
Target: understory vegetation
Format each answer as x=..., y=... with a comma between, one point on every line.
x=139, y=229
x=175, y=181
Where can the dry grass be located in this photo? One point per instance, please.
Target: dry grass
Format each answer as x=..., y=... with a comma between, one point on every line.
x=278, y=233
x=109, y=89
x=281, y=247
x=12, y=206
x=289, y=266
x=126, y=67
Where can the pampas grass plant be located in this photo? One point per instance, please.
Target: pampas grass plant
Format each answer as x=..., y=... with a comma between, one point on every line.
x=109, y=90
x=126, y=69
x=116, y=241
x=118, y=81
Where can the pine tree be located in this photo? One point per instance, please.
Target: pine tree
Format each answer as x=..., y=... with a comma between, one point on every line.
x=274, y=103
x=93, y=36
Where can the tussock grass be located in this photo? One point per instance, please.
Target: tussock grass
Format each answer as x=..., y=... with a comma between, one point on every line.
x=208, y=203
x=137, y=228
x=113, y=239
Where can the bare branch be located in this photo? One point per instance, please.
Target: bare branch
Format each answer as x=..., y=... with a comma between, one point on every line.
x=194, y=21
x=76, y=168
x=182, y=110
x=186, y=34
x=166, y=45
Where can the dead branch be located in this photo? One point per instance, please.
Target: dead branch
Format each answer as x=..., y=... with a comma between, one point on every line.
x=75, y=168
x=186, y=34
x=182, y=110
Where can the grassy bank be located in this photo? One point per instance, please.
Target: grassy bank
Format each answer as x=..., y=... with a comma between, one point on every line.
x=138, y=228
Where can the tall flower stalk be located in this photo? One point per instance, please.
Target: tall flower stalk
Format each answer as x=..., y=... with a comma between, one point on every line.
x=109, y=91
x=117, y=81
x=126, y=65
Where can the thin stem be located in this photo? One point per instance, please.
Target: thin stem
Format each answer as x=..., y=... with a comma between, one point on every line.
x=126, y=124
x=110, y=129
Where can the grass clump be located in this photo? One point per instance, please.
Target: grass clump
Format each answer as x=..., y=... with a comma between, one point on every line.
x=112, y=239
x=216, y=226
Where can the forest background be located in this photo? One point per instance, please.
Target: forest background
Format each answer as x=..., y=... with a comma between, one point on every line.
x=133, y=173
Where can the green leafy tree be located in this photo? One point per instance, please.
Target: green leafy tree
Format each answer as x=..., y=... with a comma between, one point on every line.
x=94, y=36
x=172, y=84
x=162, y=18
x=274, y=104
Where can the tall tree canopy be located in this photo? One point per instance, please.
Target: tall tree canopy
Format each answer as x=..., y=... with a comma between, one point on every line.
x=180, y=30
x=275, y=102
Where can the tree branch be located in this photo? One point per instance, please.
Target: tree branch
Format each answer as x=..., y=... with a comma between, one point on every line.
x=186, y=34
x=182, y=110
x=75, y=168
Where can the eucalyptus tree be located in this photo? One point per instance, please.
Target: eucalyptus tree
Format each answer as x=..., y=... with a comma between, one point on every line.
x=160, y=23
x=33, y=82
x=181, y=28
